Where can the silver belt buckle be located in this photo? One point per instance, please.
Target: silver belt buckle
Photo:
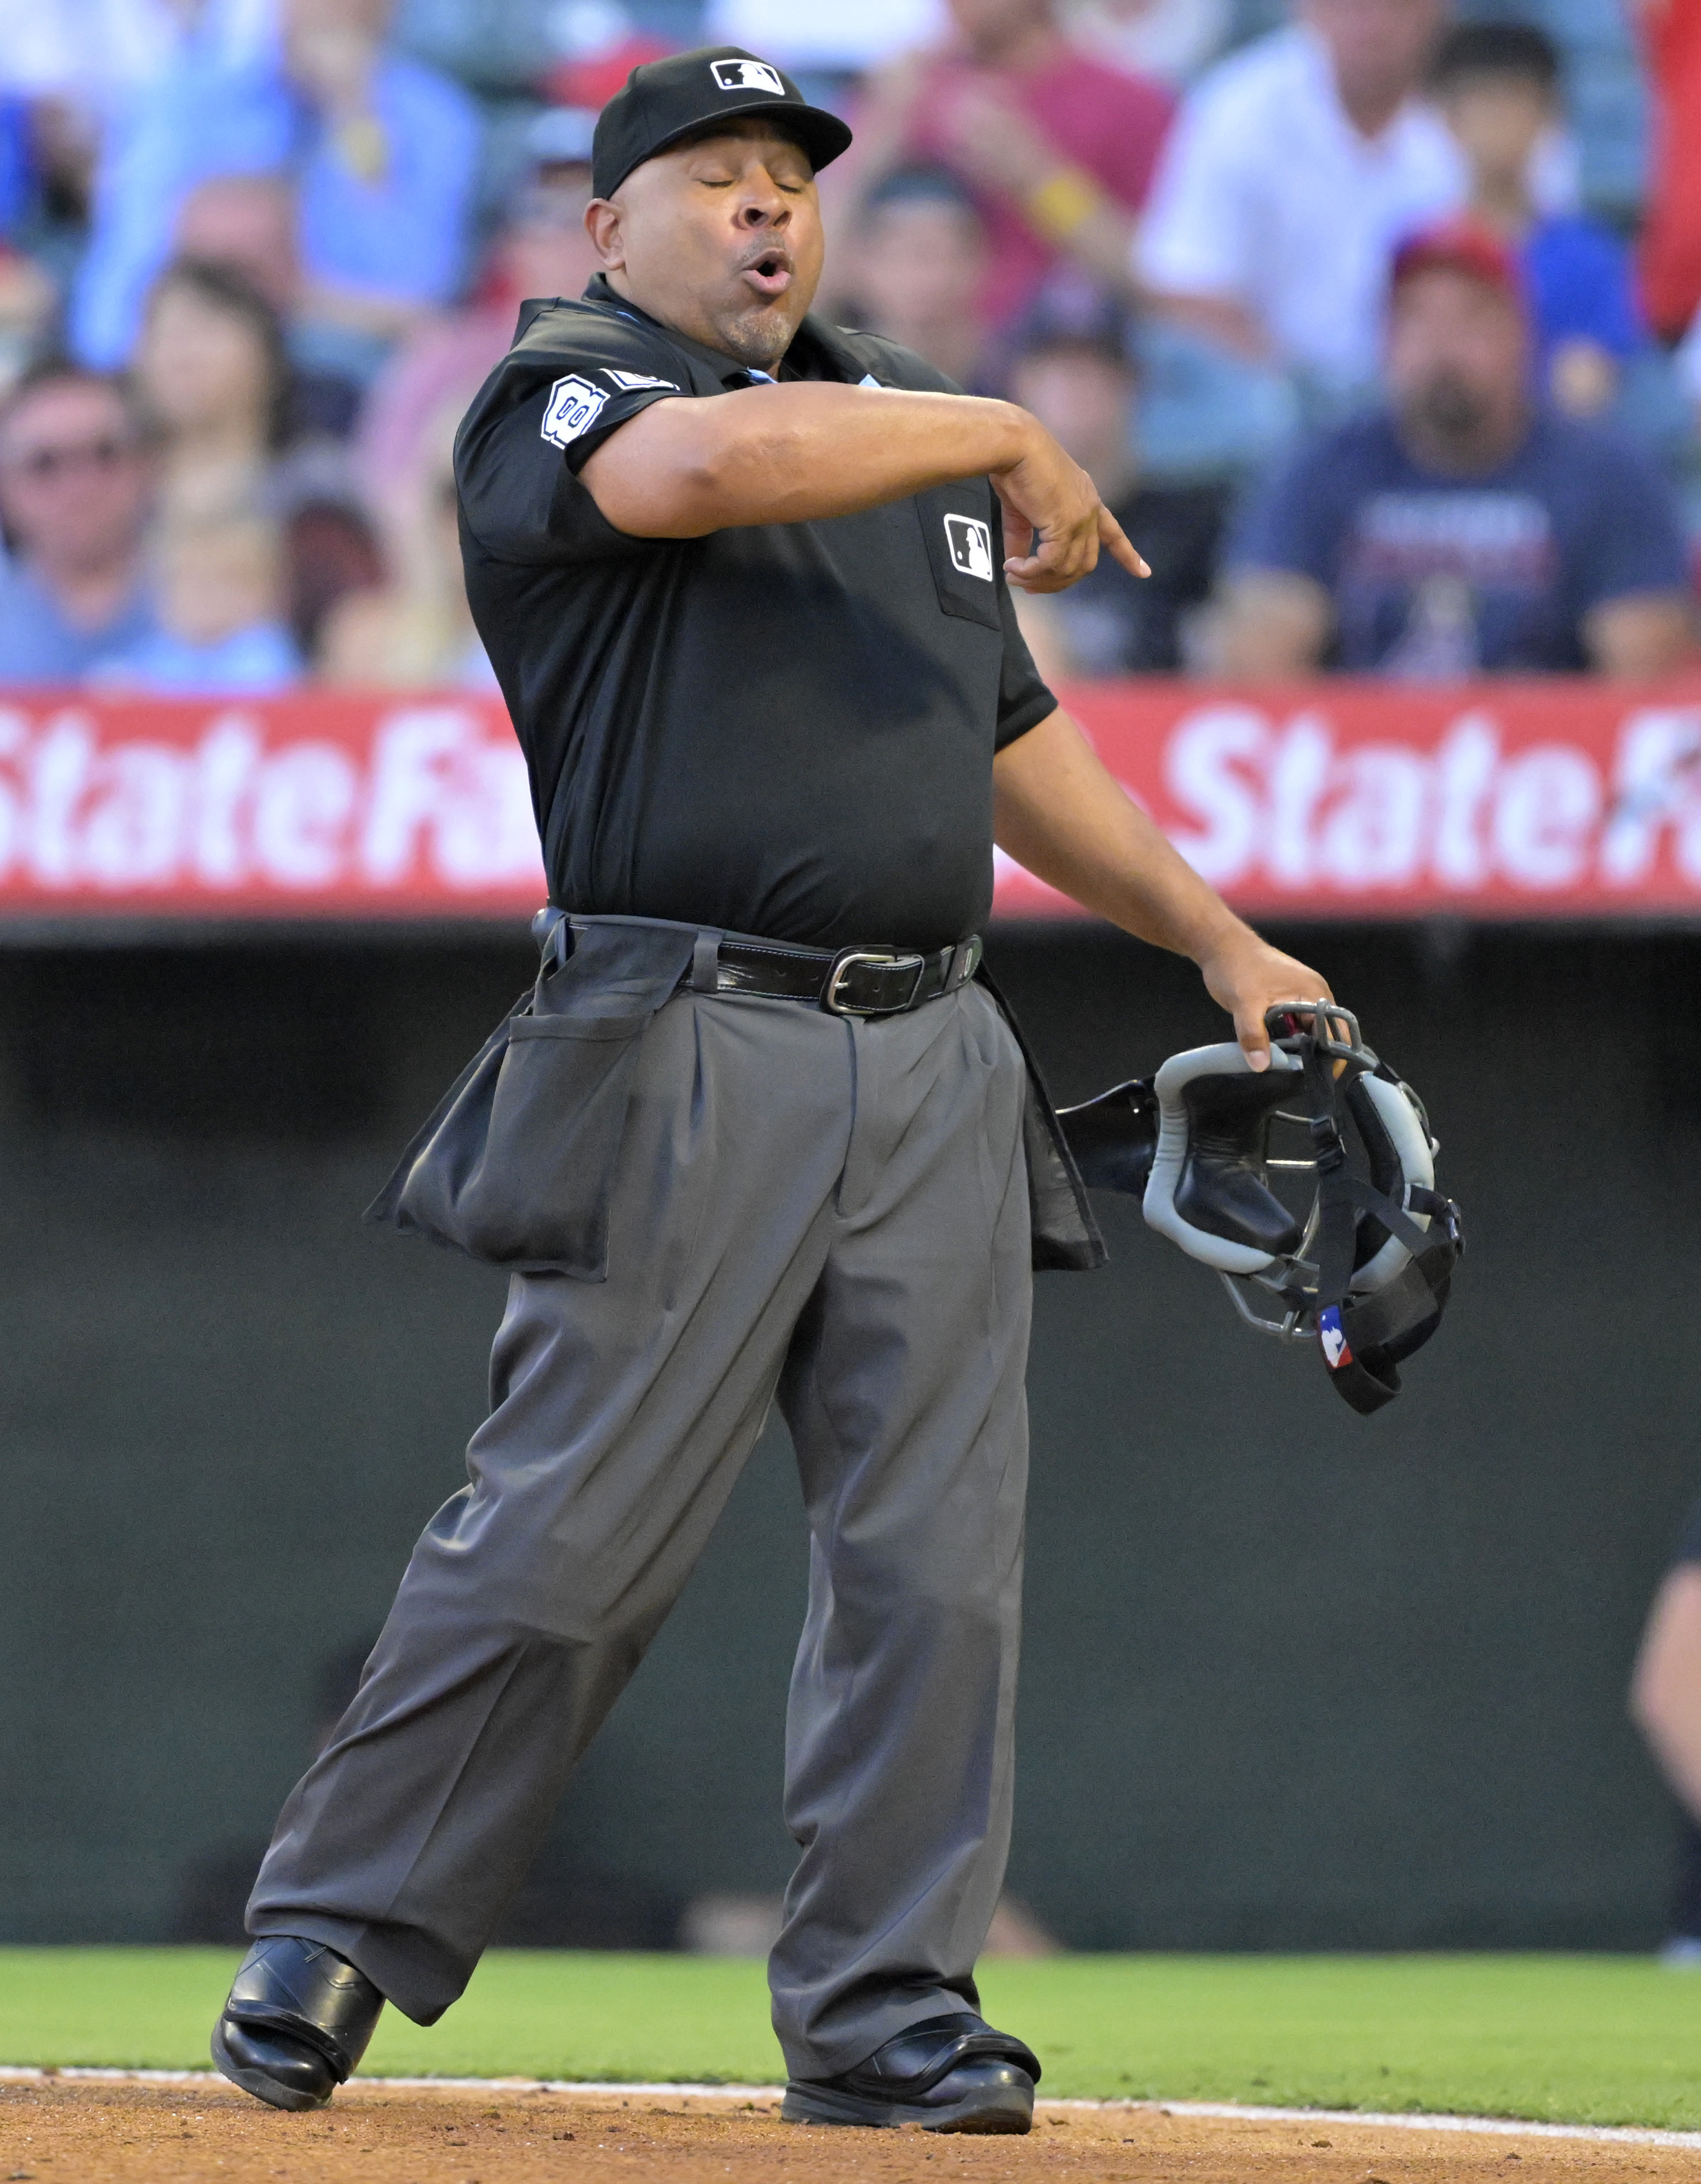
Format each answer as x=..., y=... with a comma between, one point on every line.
x=848, y=959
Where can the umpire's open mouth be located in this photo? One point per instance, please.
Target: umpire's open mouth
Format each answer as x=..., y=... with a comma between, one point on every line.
x=772, y=272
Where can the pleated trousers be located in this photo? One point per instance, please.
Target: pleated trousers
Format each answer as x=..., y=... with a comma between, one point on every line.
x=825, y=1210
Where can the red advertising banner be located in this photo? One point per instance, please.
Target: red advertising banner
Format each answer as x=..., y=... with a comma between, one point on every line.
x=309, y=806
x=1357, y=798
x=1328, y=800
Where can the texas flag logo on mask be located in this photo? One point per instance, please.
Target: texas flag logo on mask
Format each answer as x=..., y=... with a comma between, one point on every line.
x=747, y=75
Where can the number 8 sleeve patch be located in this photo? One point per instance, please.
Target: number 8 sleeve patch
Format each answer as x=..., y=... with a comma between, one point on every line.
x=573, y=404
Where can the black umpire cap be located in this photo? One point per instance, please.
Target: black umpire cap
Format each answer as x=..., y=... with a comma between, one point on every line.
x=665, y=100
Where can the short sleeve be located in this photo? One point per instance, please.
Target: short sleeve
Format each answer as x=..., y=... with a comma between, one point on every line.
x=1023, y=698
x=547, y=408
x=1296, y=520
x=1631, y=540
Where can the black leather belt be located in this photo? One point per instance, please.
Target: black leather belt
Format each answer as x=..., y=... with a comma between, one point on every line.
x=846, y=982
x=853, y=982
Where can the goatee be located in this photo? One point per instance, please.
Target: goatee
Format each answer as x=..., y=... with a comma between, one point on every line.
x=757, y=338
x=1451, y=410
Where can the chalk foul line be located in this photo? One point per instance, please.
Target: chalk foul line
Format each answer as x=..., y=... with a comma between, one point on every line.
x=1223, y=2111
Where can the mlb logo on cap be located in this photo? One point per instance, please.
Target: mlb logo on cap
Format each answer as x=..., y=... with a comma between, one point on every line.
x=665, y=100
x=748, y=75
x=971, y=546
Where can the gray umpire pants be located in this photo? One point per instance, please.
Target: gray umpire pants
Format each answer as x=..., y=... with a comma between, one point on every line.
x=834, y=1211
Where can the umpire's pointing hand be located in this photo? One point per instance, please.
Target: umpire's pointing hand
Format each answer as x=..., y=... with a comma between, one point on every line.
x=1054, y=520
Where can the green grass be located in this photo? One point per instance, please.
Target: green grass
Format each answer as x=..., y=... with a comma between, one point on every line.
x=1559, y=2039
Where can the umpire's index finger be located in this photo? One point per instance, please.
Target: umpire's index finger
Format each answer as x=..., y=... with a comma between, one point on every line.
x=1112, y=534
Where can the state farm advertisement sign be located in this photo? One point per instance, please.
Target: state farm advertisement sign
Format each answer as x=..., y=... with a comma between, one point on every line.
x=1363, y=800
x=331, y=806
x=1323, y=799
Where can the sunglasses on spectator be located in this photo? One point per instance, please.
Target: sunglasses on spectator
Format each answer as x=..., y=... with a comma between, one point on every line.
x=42, y=465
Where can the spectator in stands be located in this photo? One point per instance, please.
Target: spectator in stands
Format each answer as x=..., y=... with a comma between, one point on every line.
x=416, y=631
x=918, y=269
x=1076, y=378
x=1665, y=1705
x=210, y=111
x=541, y=249
x=220, y=581
x=1497, y=84
x=1670, y=246
x=246, y=222
x=383, y=153
x=1056, y=149
x=330, y=548
x=1294, y=169
x=238, y=442
x=82, y=66
x=1464, y=529
x=211, y=368
x=385, y=193
x=75, y=488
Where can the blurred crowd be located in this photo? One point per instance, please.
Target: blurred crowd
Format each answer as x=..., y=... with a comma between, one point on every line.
x=1374, y=321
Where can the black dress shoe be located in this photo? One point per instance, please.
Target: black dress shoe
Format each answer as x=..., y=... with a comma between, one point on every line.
x=298, y=2021
x=947, y=2073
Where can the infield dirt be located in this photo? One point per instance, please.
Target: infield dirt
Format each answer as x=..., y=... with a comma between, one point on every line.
x=73, y=2132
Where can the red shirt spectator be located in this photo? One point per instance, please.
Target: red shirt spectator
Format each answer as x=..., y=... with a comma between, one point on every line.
x=1057, y=148
x=1671, y=239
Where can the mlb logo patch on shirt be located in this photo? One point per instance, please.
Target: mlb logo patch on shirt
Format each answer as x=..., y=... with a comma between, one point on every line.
x=747, y=75
x=629, y=382
x=573, y=404
x=970, y=541
x=1336, y=1350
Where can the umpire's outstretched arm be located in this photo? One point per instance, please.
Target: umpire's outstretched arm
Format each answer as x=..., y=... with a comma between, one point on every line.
x=796, y=453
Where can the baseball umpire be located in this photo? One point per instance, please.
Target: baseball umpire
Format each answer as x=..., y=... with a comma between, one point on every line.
x=760, y=1130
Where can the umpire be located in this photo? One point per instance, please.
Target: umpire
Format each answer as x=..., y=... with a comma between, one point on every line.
x=760, y=1130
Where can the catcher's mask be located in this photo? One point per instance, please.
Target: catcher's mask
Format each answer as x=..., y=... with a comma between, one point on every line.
x=1365, y=1270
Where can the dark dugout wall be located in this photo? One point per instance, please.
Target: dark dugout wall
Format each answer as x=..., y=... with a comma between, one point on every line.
x=1294, y=1678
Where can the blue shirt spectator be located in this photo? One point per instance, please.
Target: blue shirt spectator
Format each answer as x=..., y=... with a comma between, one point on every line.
x=255, y=662
x=203, y=117
x=1433, y=575
x=400, y=231
x=384, y=153
x=219, y=584
x=40, y=645
x=1462, y=530
x=75, y=488
x=1498, y=85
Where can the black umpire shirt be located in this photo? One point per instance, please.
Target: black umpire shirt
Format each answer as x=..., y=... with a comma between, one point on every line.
x=786, y=729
